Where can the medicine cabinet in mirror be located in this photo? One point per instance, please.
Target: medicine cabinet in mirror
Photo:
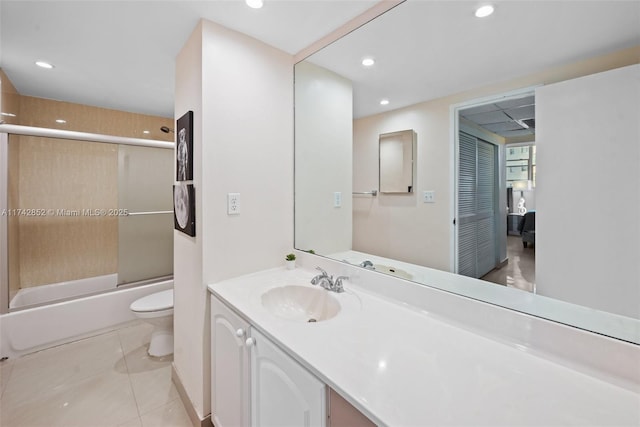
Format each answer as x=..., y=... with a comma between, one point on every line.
x=396, y=161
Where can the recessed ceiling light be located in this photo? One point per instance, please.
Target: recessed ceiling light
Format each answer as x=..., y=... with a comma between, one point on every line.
x=7, y=114
x=254, y=4
x=384, y=102
x=146, y=132
x=43, y=64
x=61, y=121
x=368, y=62
x=484, y=11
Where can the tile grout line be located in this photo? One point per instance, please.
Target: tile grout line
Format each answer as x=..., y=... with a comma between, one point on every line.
x=129, y=374
x=6, y=384
x=133, y=392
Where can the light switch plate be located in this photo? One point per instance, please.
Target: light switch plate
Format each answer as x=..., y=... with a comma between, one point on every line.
x=337, y=199
x=429, y=197
x=233, y=204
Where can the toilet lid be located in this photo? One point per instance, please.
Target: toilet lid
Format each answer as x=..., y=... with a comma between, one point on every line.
x=154, y=302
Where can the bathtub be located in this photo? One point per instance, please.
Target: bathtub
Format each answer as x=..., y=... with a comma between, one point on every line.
x=34, y=329
x=63, y=290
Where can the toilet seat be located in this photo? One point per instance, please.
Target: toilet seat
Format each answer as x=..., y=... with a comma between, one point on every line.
x=158, y=304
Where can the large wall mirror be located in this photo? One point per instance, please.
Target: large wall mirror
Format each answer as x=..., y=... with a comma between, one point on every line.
x=559, y=78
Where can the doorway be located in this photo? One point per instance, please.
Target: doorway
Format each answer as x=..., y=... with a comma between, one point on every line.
x=483, y=131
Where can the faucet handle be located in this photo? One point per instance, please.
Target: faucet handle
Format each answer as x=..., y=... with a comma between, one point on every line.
x=316, y=279
x=324, y=273
x=337, y=285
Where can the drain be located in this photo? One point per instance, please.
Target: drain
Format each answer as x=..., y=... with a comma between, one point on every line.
x=311, y=320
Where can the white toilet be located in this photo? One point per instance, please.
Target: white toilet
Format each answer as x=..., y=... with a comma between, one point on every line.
x=157, y=309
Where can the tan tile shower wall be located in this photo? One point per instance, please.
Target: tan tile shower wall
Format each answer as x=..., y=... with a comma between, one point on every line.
x=10, y=102
x=64, y=178
x=41, y=112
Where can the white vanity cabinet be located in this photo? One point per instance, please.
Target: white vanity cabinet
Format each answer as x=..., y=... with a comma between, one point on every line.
x=230, y=378
x=254, y=382
x=283, y=393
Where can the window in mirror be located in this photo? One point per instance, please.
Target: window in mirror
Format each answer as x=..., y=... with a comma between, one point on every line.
x=397, y=151
x=521, y=164
x=518, y=153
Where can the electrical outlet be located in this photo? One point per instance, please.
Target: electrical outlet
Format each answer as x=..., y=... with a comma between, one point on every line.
x=337, y=199
x=233, y=203
x=429, y=197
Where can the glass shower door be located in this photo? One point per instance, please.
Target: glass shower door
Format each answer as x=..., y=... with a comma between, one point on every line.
x=145, y=217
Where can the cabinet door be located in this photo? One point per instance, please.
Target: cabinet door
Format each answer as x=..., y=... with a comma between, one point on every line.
x=229, y=367
x=283, y=393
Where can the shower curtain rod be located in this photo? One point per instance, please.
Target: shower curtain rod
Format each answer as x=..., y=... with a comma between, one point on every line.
x=82, y=136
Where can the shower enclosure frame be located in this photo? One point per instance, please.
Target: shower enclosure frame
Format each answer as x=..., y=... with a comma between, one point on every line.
x=4, y=240
x=8, y=129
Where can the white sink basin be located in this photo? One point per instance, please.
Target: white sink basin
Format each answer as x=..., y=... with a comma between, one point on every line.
x=301, y=303
x=393, y=271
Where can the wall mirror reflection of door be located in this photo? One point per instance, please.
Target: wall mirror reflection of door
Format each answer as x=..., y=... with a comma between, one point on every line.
x=496, y=191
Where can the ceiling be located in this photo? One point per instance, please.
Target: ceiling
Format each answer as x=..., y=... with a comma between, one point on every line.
x=509, y=119
x=427, y=49
x=121, y=54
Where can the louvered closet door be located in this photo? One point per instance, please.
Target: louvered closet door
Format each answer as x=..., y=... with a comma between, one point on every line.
x=476, y=206
x=486, y=197
x=467, y=233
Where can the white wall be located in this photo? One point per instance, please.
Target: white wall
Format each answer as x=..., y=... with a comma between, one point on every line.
x=400, y=226
x=403, y=227
x=189, y=300
x=241, y=92
x=323, y=159
x=588, y=146
x=247, y=149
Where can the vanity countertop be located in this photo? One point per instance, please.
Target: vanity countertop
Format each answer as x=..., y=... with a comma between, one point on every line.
x=402, y=366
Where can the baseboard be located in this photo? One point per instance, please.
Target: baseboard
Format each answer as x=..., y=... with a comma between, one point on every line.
x=191, y=410
x=503, y=263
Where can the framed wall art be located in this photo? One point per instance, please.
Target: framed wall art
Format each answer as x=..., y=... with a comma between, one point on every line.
x=184, y=147
x=184, y=208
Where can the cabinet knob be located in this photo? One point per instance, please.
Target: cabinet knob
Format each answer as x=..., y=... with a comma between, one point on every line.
x=240, y=333
x=250, y=342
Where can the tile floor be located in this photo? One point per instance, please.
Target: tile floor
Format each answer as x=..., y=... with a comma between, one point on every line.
x=108, y=380
x=520, y=272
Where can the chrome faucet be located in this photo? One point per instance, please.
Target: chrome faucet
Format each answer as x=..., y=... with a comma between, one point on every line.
x=319, y=277
x=322, y=279
x=367, y=264
x=326, y=281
